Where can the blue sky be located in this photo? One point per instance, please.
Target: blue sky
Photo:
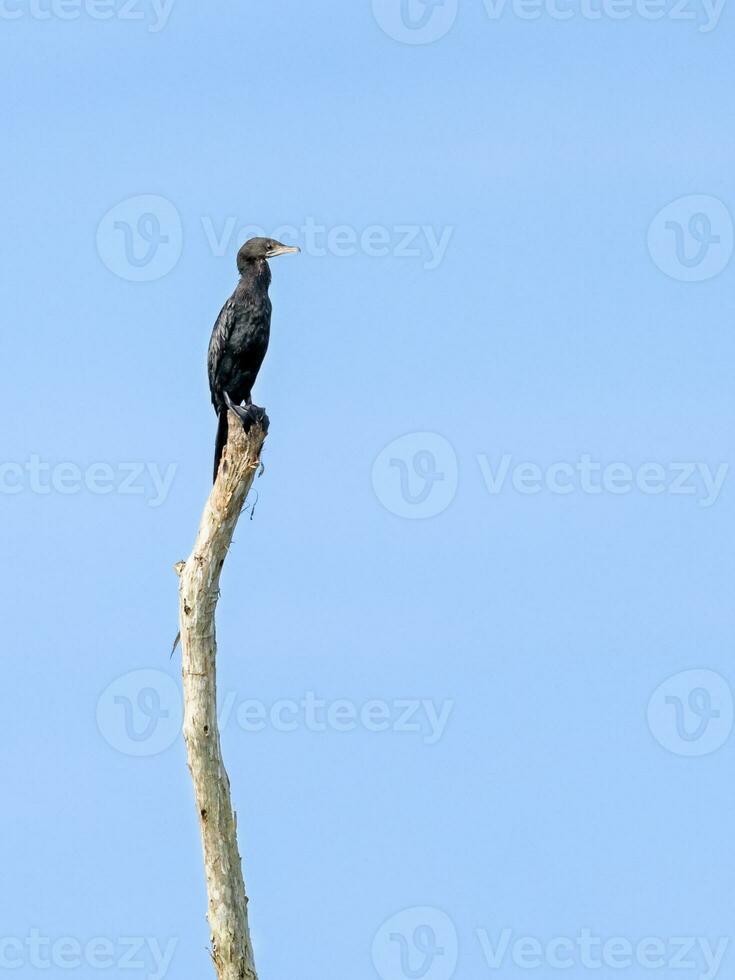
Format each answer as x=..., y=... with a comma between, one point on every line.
x=476, y=642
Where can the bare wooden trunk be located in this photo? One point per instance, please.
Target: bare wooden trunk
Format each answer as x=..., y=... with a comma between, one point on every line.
x=198, y=594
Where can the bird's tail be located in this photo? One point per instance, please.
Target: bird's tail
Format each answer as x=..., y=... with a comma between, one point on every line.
x=221, y=440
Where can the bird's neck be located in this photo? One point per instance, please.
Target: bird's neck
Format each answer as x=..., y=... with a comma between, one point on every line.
x=256, y=275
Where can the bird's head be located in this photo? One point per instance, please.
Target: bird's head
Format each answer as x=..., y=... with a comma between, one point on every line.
x=262, y=248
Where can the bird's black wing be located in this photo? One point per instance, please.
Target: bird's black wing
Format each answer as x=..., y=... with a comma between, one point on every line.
x=217, y=347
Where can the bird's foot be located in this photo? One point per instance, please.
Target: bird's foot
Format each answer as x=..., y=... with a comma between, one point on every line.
x=249, y=415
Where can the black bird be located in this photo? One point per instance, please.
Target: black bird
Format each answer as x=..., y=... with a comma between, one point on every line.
x=240, y=338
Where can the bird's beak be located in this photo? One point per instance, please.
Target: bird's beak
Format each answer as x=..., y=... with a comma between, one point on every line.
x=282, y=250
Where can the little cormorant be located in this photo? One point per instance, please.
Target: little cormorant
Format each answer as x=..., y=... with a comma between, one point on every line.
x=240, y=338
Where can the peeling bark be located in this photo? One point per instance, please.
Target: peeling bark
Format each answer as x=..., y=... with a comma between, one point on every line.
x=199, y=578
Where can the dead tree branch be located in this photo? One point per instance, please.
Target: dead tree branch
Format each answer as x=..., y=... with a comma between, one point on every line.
x=199, y=579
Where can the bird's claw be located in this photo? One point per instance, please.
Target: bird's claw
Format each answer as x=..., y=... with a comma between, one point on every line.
x=249, y=415
x=254, y=415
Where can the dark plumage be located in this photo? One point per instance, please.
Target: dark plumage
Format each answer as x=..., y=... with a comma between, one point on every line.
x=240, y=336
